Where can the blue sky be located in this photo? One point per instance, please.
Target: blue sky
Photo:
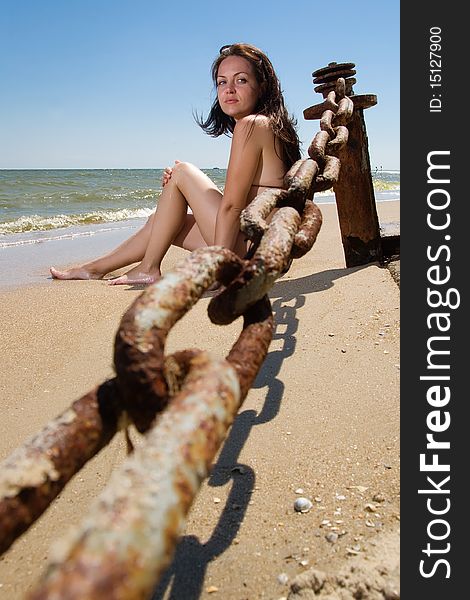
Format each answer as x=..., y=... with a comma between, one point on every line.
x=114, y=84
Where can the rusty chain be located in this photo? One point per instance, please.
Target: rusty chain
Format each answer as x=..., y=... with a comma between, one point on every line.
x=184, y=402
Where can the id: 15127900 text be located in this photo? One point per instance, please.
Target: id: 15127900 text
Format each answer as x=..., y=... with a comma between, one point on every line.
x=435, y=69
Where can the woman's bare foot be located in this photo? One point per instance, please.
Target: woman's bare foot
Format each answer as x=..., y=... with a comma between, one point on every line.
x=137, y=276
x=76, y=273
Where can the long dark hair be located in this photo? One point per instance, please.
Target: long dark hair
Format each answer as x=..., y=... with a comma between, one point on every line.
x=271, y=103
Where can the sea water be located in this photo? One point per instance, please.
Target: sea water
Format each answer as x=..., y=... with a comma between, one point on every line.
x=60, y=216
x=39, y=204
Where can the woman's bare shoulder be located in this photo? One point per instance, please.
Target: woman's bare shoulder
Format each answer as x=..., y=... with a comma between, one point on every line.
x=253, y=121
x=256, y=127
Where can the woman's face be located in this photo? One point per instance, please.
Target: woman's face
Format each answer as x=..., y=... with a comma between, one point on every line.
x=237, y=88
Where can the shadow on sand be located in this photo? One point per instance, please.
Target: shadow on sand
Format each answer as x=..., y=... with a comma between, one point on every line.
x=185, y=576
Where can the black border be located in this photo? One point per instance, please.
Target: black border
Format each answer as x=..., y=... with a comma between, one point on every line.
x=421, y=133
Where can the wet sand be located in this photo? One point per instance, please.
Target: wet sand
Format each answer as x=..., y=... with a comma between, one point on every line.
x=322, y=417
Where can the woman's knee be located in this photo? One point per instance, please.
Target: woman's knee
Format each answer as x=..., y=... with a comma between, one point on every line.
x=191, y=180
x=183, y=169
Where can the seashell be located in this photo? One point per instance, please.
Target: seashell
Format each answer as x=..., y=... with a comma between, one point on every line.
x=302, y=505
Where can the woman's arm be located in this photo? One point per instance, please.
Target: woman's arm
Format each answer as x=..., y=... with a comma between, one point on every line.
x=245, y=154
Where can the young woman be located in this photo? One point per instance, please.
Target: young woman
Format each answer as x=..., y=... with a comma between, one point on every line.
x=250, y=107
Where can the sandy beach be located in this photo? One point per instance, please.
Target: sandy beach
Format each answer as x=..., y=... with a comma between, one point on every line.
x=322, y=417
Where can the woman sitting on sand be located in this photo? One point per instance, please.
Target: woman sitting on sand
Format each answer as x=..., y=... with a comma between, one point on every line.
x=250, y=106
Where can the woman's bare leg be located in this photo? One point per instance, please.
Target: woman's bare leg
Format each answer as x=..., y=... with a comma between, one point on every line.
x=171, y=225
x=130, y=251
x=204, y=199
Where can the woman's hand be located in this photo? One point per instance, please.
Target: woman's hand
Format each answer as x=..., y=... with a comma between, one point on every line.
x=167, y=174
